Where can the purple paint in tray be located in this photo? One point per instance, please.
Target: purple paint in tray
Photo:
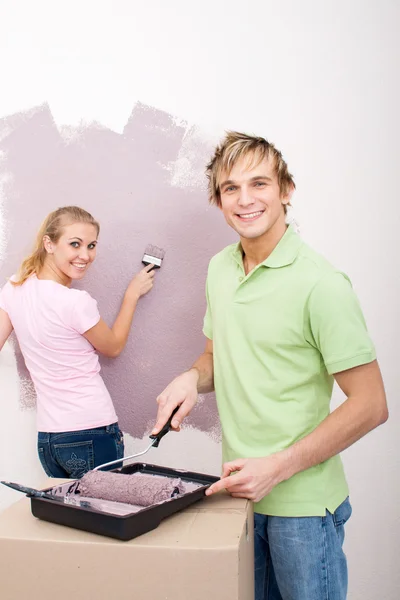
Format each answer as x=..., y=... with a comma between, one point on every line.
x=114, y=497
x=122, y=520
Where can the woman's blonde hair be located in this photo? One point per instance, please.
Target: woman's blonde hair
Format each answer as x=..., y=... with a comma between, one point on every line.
x=52, y=227
x=237, y=145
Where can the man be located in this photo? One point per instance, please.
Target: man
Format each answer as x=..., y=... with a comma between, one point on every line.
x=281, y=325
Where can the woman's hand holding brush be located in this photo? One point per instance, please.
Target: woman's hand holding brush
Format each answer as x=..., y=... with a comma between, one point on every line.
x=141, y=283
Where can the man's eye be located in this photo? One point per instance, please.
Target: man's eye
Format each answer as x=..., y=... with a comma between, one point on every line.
x=259, y=183
x=231, y=188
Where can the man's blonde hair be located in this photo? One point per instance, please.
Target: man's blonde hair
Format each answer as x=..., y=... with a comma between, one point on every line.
x=233, y=148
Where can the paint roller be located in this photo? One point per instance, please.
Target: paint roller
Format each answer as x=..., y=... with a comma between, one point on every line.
x=140, y=489
x=136, y=488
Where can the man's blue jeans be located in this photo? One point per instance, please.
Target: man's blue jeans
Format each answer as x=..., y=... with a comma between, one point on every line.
x=301, y=558
x=73, y=453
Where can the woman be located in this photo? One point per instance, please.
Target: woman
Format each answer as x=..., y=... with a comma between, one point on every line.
x=59, y=330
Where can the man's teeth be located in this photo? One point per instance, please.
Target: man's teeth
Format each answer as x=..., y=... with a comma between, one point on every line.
x=251, y=215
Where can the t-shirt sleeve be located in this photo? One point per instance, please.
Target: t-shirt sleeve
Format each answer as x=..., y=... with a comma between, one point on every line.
x=3, y=297
x=336, y=324
x=85, y=314
x=207, y=323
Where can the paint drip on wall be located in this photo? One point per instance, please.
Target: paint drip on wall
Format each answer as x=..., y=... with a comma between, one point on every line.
x=145, y=186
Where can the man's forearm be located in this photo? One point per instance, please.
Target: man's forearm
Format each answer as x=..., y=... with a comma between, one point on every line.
x=204, y=366
x=344, y=426
x=364, y=409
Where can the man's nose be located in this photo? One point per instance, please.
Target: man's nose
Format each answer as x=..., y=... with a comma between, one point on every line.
x=245, y=198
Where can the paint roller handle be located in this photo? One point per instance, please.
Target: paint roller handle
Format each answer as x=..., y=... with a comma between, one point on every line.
x=154, y=444
x=164, y=430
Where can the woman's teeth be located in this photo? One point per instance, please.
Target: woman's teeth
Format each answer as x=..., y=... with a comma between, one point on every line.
x=80, y=266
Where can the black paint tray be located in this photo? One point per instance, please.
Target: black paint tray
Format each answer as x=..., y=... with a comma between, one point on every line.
x=114, y=519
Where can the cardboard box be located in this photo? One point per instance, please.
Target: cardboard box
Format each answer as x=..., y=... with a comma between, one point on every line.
x=202, y=553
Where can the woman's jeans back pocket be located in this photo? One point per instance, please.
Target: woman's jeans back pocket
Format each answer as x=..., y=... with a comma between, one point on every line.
x=73, y=453
x=75, y=458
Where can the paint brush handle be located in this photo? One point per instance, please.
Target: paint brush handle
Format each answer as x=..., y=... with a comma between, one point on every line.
x=28, y=491
x=164, y=430
x=32, y=493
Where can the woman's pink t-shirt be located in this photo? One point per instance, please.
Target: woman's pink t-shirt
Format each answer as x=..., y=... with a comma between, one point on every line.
x=49, y=320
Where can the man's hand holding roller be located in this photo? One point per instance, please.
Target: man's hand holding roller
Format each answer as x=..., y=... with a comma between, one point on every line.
x=183, y=390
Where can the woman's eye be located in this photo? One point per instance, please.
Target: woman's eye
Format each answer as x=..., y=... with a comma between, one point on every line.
x=91, y=246
x=75, y=244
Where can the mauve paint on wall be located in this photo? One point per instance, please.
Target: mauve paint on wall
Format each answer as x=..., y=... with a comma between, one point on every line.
x=125, y=181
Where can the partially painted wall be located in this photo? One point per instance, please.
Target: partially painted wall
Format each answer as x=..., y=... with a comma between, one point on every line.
x=145, y=186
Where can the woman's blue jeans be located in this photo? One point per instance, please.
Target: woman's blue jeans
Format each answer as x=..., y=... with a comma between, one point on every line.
x=72, y=453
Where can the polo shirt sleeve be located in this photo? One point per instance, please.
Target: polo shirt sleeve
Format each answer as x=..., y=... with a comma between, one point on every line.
x=85, y=313
x=336, y=324
x=207, y=323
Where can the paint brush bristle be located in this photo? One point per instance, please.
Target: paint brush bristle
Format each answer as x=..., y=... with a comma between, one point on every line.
x=153, y=256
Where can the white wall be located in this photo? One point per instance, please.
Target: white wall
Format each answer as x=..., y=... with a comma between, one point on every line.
x=320, y=79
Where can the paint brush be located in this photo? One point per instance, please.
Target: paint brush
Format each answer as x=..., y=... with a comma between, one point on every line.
x=32, y=493
x=153, y=256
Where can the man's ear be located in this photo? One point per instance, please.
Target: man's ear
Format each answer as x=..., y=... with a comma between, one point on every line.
x=48, y=244
x=288, y=196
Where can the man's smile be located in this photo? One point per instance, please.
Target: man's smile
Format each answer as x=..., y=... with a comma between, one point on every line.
x=249, y=217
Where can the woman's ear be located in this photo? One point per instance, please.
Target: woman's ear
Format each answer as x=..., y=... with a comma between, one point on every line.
x=48, y=244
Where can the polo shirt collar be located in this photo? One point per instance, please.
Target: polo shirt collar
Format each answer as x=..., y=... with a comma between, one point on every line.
x=284, y=253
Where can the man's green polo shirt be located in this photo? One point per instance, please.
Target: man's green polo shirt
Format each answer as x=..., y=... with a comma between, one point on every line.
x=279, y=334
